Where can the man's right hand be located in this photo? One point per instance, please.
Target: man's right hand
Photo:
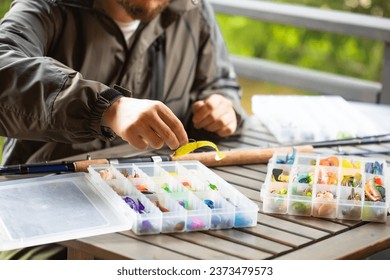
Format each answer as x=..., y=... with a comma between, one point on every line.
x=143, y=122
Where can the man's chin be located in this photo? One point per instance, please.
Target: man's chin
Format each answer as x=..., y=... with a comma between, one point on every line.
x=143, y=13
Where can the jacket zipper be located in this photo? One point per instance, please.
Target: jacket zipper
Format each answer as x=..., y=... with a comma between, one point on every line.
x=157, y=66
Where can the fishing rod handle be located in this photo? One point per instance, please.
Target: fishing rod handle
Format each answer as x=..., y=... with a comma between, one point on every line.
x=241, y=157
x=82, y=165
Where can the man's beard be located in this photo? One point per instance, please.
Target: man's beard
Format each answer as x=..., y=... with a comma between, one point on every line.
x=141, y=9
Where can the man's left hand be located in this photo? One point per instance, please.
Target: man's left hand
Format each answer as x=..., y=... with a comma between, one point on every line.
x=215, y=114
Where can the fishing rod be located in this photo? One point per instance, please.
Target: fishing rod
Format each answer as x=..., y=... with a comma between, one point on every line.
x=361, y=153
x=72, y=166
x=355, y=141
x=231, y=157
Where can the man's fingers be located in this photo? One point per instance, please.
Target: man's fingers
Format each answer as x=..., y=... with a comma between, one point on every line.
x=138, y=142
x=215, y=114
x=154, y=139
x=211, y=117
x=145, y=122
x=207, y=111
x=227, y=130
x=172, y=129
x=223, y=127
x=197, y=105
x=166, y=134
x=200, y=113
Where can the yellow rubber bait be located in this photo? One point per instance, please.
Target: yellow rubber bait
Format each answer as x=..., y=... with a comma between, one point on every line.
x=192, y=146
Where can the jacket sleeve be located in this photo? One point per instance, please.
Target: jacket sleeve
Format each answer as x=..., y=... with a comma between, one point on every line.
x=215, y=72
x=40, y=98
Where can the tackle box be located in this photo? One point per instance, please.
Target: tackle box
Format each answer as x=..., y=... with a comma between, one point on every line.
x=295, y=118
x=327, y=186
x=148, y=198
x=176, y=197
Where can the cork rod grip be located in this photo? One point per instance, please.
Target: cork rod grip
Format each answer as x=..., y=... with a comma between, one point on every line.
x=82, y=166
x=239, y=157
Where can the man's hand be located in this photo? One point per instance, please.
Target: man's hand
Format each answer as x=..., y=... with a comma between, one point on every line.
x=215, y=114
x=143, y=122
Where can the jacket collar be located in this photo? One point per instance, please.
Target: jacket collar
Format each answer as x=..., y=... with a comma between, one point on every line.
x=182, y=6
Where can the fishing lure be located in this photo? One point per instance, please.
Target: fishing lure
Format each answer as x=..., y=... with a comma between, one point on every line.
x=289, y=159
x=213, y=187
x=192, y=146
x=166, y=188
x=133, y=205
x=374, y=168
x=209, y=203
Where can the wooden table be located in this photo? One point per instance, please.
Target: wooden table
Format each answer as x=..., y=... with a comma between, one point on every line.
x=274, y=236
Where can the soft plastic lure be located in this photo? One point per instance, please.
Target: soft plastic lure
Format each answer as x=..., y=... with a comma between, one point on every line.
x=192, y=146
x=213, y=187
x=289, y=159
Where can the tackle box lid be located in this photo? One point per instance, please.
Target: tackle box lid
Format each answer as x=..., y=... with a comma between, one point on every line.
x=56, y=208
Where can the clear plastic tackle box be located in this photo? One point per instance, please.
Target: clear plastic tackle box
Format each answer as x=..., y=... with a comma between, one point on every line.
x=148, y=198
x=327, y=186
x=177, y=196
x=297, y=119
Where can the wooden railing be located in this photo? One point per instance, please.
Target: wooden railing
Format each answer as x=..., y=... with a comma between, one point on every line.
x=350, y=24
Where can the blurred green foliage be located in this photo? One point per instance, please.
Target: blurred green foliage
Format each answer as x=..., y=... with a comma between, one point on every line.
x=333, y=53
x=4, y=6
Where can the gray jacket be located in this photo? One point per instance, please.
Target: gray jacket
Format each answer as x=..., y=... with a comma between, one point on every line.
x=60, y=61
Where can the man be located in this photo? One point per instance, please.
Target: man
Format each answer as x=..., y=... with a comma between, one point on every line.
x=78, y=76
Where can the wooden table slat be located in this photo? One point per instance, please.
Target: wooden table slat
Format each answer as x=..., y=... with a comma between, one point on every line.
x=288, y=226
x=357, y=244
x=180, y=246
x=223, y=245
x=254, y=142
x=317, y=223
x=249, y=193
x=251, y=240
x=117, y=246
x=277, y=235
x=223, y=146
x=241, y=171
x=260, y=135
x=262, y=168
